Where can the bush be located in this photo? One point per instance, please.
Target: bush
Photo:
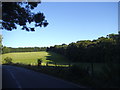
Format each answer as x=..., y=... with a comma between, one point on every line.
x=39, y=61
x=76, y=70
x=8, y=60
x=111, y=75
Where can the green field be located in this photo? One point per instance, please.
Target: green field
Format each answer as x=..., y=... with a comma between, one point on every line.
x=31, y=57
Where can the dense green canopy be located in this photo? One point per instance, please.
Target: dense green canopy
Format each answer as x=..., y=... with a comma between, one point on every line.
x=20, y=13
x=104, y=49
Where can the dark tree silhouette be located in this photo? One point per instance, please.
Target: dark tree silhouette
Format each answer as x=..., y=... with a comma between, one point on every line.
x=0, y=43
x=102, y=50
x=20, y=13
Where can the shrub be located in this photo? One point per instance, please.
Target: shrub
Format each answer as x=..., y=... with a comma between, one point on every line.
x=111, y=75
x=76, y=70
x=8, y=60
x=39, y=61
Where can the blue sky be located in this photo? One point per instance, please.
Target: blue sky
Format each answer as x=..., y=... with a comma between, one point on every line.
x=68, y=22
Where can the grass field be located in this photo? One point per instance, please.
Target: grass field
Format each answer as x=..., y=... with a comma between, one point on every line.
x=31, y=57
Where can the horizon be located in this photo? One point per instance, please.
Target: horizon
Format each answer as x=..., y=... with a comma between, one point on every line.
x=68, y=22
x=53, y=45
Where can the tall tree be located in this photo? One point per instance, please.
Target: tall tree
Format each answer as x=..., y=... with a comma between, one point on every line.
x=0, y=44
x=20, y=13
x=0, y=40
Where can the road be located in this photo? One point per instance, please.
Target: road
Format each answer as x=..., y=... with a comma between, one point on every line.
x=18, y=77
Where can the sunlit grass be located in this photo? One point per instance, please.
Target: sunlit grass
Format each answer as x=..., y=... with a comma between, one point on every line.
x=31, y=58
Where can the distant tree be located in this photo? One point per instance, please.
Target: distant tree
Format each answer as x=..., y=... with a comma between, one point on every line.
x=20, y=13
x=5, y=50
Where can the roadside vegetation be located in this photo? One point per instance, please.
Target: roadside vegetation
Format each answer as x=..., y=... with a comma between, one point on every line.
x=89, y=63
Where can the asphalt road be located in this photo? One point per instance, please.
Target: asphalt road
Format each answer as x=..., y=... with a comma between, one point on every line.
x=17, y=77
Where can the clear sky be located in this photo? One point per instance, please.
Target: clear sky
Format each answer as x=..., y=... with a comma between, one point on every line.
x=68, y=22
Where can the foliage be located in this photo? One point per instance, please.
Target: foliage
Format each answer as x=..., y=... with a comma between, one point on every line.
x=8, y=60
x=5, y=50
x=104, y=49
x=23, y=49
x=111, y=75
x=20, y=13
x=39, y=61
x=79, y=71
x=0, y=43
x=0, y=40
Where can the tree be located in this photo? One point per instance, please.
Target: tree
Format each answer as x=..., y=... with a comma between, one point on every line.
x=20, y=13
x=0, y=44
x=102, y=50
x=0, y=40
x=5, y=50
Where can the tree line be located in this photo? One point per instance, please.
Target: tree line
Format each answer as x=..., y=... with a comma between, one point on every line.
x=103, y=49
x=22, y=49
